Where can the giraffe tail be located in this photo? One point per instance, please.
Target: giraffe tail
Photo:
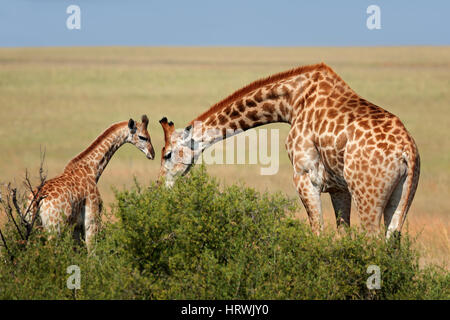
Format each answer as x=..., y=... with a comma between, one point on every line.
x=412, y=160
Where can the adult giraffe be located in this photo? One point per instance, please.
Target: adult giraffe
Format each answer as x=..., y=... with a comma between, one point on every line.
x=338, y=143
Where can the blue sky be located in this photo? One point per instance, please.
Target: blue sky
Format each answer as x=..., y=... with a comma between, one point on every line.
x=223, y=23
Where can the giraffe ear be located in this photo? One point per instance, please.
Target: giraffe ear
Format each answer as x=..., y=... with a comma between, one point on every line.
x=132, y=126
x=187, y=131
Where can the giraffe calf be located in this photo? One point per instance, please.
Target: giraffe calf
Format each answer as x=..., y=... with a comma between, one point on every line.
x=73, y=197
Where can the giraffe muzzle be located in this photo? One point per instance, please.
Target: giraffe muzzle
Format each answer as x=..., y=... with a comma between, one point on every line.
x=150, y=154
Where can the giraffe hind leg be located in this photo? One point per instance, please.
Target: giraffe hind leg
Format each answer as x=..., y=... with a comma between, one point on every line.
x=78, y=232
x=370, y=204
x=92, y=219
x=374, y=202
x=342, y=201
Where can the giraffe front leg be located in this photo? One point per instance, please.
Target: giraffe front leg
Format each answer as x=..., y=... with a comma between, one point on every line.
x=92, y=220
x=308, y=174
x=310, y=196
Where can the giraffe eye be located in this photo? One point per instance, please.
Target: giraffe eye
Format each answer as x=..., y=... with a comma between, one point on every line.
x=168, y=155
x=143, y=138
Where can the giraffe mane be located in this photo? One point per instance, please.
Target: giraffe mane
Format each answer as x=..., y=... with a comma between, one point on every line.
x=96, y=142
x=260, y=83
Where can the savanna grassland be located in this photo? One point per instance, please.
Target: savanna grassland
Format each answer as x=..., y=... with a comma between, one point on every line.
x=61, y=99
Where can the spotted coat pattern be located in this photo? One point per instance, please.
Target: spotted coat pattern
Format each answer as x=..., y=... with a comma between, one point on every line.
x=339, y=143
x=73, y=196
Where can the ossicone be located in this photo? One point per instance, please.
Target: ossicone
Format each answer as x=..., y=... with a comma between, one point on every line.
x=163, y=120
x=144, y=119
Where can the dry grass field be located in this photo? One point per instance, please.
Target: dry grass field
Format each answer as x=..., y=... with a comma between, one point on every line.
x=62, y=98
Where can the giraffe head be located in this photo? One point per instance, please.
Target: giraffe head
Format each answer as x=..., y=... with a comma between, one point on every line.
x=178, y=154
x=139, y=136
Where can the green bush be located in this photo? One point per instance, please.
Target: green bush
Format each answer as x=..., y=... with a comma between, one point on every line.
x=200, y=241
x=39, y=270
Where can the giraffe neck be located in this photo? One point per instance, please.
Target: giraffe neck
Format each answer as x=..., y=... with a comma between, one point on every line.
x=95, y=158
x=278, y=98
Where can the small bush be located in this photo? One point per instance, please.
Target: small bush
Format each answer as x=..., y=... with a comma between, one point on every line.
x=200, y=241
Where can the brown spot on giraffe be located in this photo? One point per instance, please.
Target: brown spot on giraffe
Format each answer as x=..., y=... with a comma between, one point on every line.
x=211, y=121
x=227, y=110
x=268, y=107
x=252, y=115
x=233, y=126
x=240, y=105
x=243, y=125
x=258, y=96
x=235, y=114
x=250, y=103
x=222, y=119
